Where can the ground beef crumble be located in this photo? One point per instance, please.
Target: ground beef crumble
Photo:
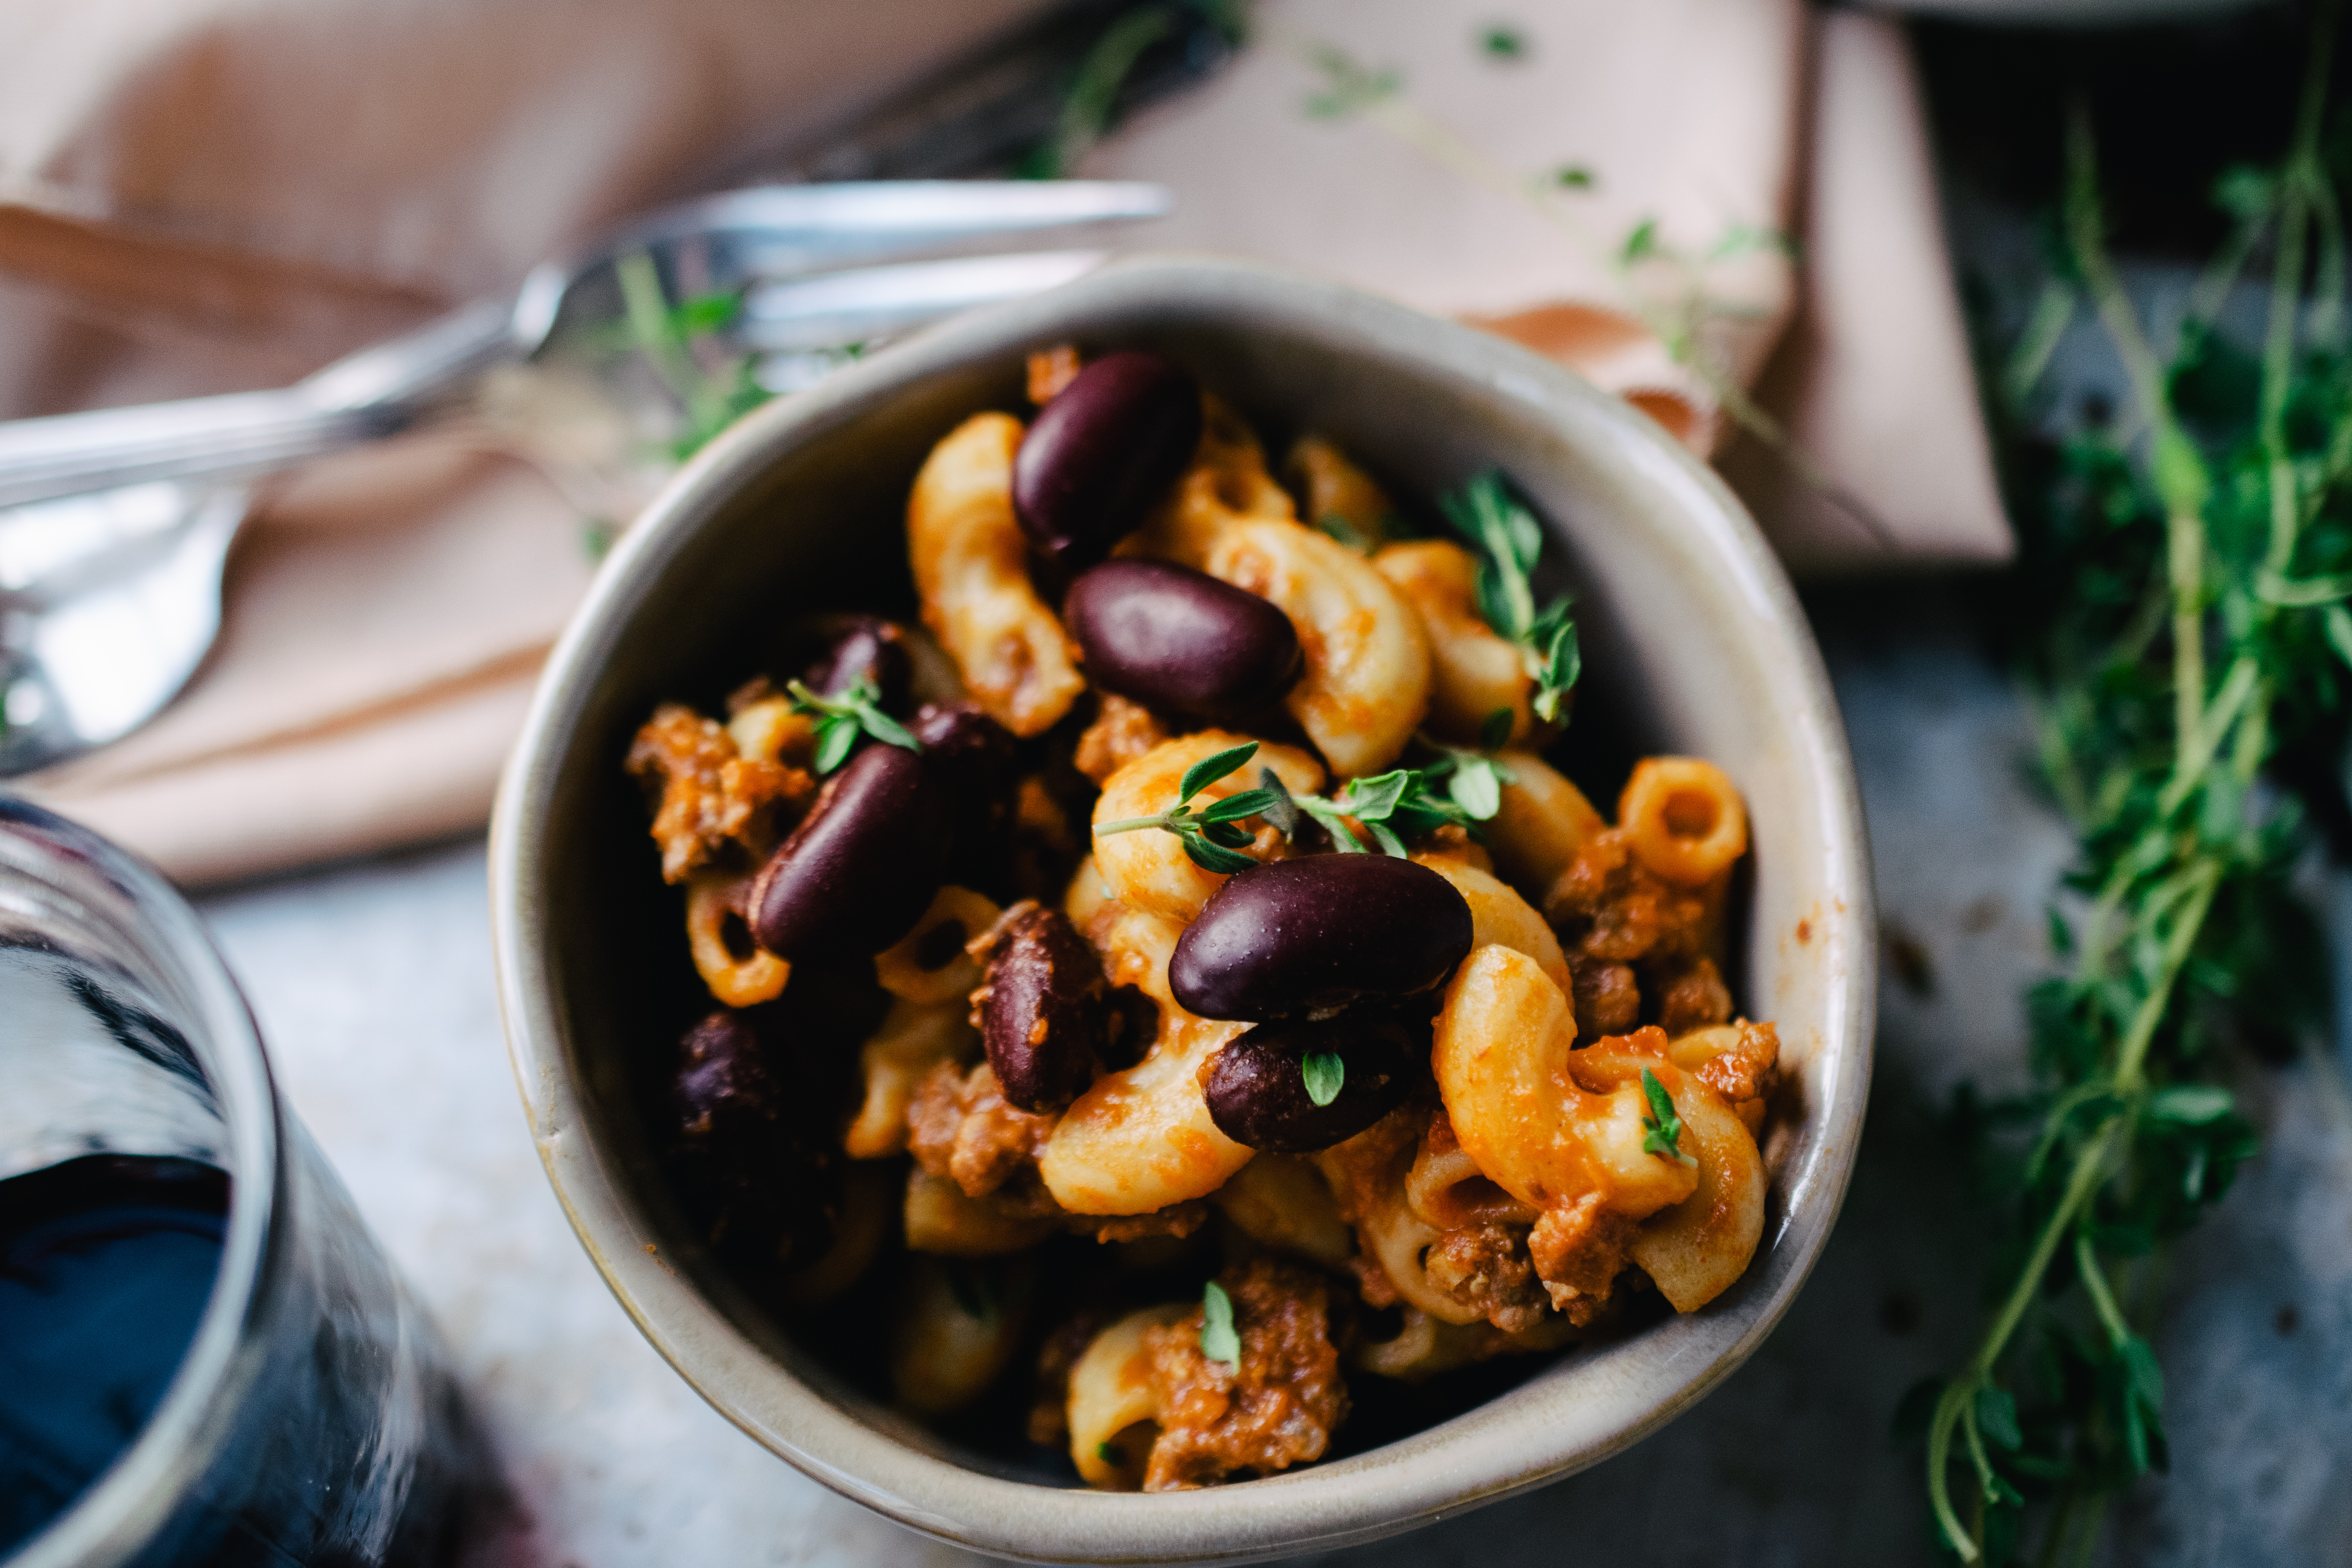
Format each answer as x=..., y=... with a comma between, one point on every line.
x=709, y=794
x=1276, y=1407
x=1122, y=731
x=959, y=1128
x=1635, y=943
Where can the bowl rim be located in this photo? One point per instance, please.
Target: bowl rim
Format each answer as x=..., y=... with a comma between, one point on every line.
x=1345, y=1502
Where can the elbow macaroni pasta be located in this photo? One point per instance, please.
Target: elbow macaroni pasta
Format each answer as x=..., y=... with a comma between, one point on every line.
x=1687, y=821
x=970, y=566
x=1473, y=673
x=1113, y=1413
x=714, y=917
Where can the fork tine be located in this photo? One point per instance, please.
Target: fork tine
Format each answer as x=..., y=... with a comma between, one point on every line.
x=842, y=307
x=771, y=229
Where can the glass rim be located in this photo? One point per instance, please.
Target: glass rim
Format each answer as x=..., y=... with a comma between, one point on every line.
x=152, y=933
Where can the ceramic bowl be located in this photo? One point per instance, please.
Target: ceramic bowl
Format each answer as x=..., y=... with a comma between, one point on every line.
x=1693, y=641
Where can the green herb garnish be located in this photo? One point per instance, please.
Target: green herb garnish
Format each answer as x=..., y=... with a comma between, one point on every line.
x=1218, y=1340
x=2179, y=639
x=844, y=717
x=1325, y=1075
x=1211, y=838
x=1110, y=1453
x=1661, y=1129
x=667, y=334
x=1473, y=780
x=1507, y=539
x=1503, y=42
x=1391, y=806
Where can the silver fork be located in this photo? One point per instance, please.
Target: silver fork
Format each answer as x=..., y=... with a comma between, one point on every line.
x=114, y=524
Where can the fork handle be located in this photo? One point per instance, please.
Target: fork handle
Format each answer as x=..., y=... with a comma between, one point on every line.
x=373, y=393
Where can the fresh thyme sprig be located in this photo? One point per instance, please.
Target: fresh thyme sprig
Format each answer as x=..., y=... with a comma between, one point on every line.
x=2182, y=594
x=1507, y=539
x=1662, y=1130
x=1391, y=806
x=843, y=717
x=1213, y=838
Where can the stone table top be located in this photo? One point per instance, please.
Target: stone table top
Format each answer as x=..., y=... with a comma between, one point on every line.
x=373, y=986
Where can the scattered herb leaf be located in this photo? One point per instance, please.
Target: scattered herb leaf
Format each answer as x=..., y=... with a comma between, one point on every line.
x=1218, y=1340
x=1503, y=42
x=843, y=717
x=1508, y=540
x=1662, y=1128
x=1326, y=1074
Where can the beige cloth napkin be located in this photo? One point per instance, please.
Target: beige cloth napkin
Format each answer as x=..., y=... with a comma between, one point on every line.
x=203, y=194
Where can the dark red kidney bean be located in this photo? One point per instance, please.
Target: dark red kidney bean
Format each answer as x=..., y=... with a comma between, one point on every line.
x=1042, y=1010
x=1102, y=454
x=972, y=755
x=1300, y=936
x=862, y=867
x=860, y=648
x=1256, y=1090
x=759, y=1170
x=1177, y=639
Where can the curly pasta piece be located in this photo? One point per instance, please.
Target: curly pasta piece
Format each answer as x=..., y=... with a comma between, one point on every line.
x=1542, y=822
x=1473, y=673
x=1502, y=1057
x=1113, y=1411
x=1684, y=818
x=1367, y=679
x=1367, y=676
x=1694, y=1251
x=1281, y=1201
x=1335, y=496
x=1141, y=1138
x=1147, y=869
x=931, y=963
x=970, y=560
x=1499, y=915
x=740, y=975
x=914, y=1038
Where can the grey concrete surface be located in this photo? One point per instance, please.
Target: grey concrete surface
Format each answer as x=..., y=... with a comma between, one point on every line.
x=372, y=983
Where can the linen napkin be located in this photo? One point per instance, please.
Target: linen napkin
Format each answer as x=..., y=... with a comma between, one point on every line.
x=204, y=194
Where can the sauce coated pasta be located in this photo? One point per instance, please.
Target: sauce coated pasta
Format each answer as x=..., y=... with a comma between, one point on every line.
x=1164, y=991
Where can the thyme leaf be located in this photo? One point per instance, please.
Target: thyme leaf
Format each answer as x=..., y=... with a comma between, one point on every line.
x=841, y=720
x=1507, y=539
x=1326, y=1074
x=1218, y=1342
x=1661, y=1129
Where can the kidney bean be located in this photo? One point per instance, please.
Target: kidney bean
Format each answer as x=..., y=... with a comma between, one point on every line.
x=1256, y=1090
x=1174, y=638
x=860, y=648
x=862, y=867
x=1102, y=454
x=1301, y=936
x=972, y=755
x=758, y=1166
x=1042, y=1009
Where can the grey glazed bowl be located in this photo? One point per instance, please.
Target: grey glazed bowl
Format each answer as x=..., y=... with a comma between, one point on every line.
x=1693, y=643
